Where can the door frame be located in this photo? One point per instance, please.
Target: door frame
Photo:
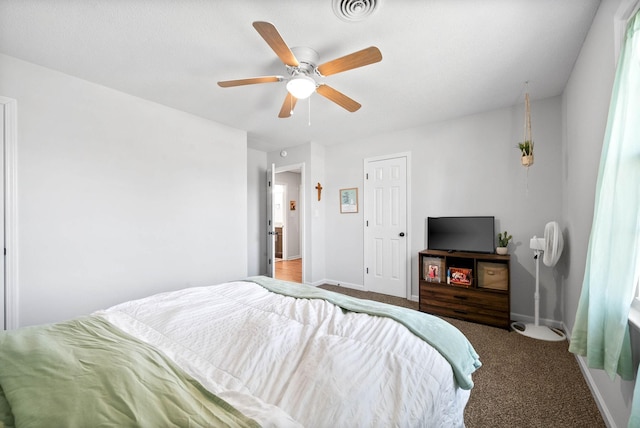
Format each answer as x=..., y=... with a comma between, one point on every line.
x=409, y=235
x=301, y=207
x=271, y=243
x=10, y=202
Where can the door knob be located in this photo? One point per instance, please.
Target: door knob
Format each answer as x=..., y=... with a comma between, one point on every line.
x=401, y=233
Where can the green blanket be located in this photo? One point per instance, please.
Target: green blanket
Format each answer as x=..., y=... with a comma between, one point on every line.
x=87, y=373
x=447, y=339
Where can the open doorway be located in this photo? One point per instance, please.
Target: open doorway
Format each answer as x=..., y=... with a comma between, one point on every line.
x=288, y=202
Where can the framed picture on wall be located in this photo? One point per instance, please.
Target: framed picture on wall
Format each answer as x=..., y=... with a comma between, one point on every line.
x=349, y=200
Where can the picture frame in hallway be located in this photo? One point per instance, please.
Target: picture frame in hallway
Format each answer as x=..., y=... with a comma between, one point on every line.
x=349, y=200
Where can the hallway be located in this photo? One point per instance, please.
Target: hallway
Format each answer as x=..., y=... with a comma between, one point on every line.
x=289, y=270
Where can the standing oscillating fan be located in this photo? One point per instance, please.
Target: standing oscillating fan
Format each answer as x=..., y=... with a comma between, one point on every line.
x=551, y=247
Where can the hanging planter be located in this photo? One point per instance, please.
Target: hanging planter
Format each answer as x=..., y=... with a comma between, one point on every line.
x=526, y=150
x=526, y=145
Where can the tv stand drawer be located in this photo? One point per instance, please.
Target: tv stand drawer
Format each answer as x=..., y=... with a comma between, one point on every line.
x=451, y=295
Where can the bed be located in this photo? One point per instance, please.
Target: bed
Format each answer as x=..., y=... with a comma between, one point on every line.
x=256, y=352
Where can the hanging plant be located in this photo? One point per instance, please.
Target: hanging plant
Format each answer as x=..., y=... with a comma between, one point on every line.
x=526, y=145
x=526, y=151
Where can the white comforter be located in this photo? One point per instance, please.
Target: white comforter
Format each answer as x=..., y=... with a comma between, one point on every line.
x=298, y=362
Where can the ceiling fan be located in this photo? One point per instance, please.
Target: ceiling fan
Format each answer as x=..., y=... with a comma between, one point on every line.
x=303, y=71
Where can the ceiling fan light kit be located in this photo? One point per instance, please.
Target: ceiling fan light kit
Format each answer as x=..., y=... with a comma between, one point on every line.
x=301, y=63
x=301, y=86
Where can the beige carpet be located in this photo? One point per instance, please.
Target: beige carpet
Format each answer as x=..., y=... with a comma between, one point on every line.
x=523, y=382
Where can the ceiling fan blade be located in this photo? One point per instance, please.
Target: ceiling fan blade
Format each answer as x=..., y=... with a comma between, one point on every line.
x=270, y=35
x=338, y=97
x=361, y=58
x=288, y=106
x=249, y=81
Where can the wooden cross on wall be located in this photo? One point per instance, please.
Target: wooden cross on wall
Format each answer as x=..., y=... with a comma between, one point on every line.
x=319, y=189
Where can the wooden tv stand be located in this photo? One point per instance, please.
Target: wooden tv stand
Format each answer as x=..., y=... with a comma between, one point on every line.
x=480, y=291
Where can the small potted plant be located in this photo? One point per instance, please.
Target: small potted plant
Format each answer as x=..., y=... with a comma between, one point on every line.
x=503, y=241
x=526, y=150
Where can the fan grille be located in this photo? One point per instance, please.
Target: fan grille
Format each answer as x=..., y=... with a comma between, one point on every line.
x=354, y=10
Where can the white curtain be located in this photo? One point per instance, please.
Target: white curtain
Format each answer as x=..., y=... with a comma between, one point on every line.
x=601, y=331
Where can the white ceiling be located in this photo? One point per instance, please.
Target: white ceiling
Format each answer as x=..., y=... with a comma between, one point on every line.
x=441, y=58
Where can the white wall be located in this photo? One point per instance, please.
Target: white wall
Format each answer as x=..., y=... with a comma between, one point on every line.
x=467, y=166
x=586, y=104
x=118, y=197
x=256, y=212
x=317, y=214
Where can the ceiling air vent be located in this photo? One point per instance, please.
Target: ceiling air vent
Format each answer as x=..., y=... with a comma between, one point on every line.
x=354, y=10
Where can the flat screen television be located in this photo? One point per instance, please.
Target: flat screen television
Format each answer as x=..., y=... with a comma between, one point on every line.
x=473, y=234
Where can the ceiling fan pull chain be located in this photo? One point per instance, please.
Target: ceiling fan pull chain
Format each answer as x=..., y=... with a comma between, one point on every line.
x=309, y=110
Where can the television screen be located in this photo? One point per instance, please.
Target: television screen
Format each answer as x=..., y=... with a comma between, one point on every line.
x=474, y=234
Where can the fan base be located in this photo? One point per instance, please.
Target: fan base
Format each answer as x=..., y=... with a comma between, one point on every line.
x=540, y=332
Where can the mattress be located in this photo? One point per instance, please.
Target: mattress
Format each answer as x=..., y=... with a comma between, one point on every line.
x=285, y=361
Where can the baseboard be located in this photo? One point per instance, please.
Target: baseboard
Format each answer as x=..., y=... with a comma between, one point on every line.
x=595, y=392
x=604, y=410
x=359, y=287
